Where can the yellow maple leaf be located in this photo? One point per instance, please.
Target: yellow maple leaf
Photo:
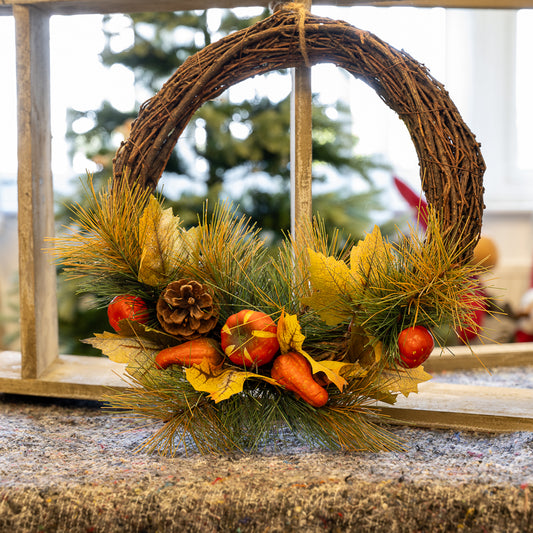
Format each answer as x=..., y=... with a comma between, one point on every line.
x=333, y=281
x=220, y=383
x=330, y=368
x=123, y=349
x=329, y=278
x=291, y=338
x=163, y=243
x=367, y=253
x=404, y=380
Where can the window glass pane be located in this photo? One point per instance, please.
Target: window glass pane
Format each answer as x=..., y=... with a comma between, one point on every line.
x=9, y=306
x=422, y=34
x=8, y=116
x=79, y=81
x=435, y=37
x=524, y=81
x=472, y=52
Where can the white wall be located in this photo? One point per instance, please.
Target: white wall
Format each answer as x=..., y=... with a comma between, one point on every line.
x=512, y=232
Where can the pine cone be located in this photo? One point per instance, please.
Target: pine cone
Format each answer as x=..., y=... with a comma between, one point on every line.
x=186, y=308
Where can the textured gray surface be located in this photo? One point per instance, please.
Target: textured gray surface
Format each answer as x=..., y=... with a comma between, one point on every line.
x=46, y=442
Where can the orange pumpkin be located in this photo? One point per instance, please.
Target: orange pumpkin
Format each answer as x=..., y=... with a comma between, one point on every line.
x=249, y=338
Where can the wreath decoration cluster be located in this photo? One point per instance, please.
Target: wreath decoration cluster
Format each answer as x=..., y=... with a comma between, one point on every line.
x=226, y=342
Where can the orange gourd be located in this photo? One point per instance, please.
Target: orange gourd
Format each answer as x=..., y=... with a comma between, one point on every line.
x=190, y=353
x=293, y=371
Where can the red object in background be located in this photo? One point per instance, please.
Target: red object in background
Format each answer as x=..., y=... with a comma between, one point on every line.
x=127, y=306
x=525, y=315
x=414, y=200
x=522, y=336
x=477, y=314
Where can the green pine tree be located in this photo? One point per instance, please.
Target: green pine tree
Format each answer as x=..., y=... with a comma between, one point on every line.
x=161, y=42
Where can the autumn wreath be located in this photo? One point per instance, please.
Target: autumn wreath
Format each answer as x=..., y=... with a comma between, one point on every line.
x=226, y=342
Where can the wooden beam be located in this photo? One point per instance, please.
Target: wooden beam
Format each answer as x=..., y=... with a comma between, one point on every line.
x=69, y=376
x=38, y=302
x=76, y=7
x=301, y=158
x=438, y=405
x=465, y=407
x=485, y=356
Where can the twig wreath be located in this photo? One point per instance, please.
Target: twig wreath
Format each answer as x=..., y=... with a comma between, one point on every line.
x=451, y=164
x=227, y=342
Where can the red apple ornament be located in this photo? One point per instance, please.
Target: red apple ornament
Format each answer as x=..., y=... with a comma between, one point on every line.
x=249, y=338
x=415, y=344
x=127, y=306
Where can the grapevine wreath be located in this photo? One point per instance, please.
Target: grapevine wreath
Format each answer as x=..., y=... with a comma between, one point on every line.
x=227, y=343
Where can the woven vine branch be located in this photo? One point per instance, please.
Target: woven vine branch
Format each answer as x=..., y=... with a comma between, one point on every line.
x=451, y=164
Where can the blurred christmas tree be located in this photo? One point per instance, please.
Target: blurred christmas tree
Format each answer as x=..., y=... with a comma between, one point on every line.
x=234, y=148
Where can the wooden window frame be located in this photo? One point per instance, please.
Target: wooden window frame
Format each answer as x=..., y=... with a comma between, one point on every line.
x=39, y=369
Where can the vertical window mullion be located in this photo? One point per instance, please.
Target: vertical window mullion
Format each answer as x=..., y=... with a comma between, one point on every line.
x=301, y=145
x=38, y=302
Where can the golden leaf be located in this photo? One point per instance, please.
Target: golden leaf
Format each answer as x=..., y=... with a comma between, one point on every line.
x=330, y=368
x=122, y=349
x=329, y=278
x=333, y=282
x=368, y=379
x=378, y=351
x=290, y=336
x=351, y=370
x=404, y=380
x=337, y=366
x=220, y=383
x=369, y=251
x=161, y=243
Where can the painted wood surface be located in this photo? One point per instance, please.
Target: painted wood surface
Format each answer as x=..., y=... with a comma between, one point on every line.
x=69, y=376
x=465, y=407
x=481, y=357
x=71, y=7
